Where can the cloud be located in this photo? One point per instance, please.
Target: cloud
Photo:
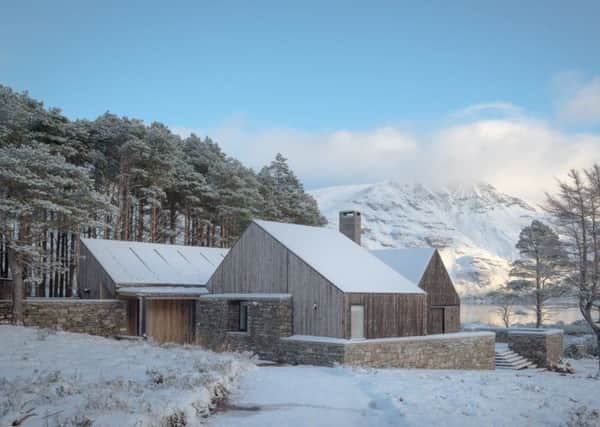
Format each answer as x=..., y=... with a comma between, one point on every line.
x=519, y=155
x=498, y=109
x=578, y=99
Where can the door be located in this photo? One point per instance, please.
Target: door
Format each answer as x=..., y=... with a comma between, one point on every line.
x=171, y=320
x=435, y=323
x=357, y=322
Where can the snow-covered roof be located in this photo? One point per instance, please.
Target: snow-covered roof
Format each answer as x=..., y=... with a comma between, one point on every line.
x=163, y=291
x=137, y=263
x=410, y=262
x=345, y=264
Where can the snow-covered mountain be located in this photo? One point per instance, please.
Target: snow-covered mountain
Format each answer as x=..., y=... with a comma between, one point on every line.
x=475, y=227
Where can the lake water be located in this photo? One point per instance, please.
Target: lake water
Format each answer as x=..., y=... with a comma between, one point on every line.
x=490, y=314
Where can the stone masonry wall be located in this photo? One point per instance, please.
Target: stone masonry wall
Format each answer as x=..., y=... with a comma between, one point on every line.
x=96, y=317
x=269, y=319
x=448, y=351
x=307, y=352
x=544, y=346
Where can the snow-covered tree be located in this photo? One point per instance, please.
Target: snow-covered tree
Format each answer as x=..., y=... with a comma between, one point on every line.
x=540, y=267
x=284, y=195
x=39, y=190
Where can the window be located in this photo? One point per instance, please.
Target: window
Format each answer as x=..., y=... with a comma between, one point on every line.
x=357, y=321
x=243, y=317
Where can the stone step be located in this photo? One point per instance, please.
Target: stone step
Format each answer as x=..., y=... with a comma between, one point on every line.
x=508, y=359
x=515, y=358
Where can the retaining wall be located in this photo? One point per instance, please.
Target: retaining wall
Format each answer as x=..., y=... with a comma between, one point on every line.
x=445, y=351
x=96, y=317
x=542, y=346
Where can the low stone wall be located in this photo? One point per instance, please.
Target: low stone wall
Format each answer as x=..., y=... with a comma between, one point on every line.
x=447, y=351
x=269, y=319
x=542, y=346
x=307, y=350
x=96, y=317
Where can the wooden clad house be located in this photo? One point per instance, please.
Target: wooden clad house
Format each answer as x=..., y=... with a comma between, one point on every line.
x=425, y=267
x=337, y=288
x=160, y=282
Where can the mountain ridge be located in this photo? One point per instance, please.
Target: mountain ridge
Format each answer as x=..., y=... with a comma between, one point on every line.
x=474, y=226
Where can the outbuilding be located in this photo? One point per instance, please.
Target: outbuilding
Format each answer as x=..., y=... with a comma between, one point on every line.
x=160, y=283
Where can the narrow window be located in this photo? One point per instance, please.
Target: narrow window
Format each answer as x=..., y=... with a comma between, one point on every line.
x=357, y=321
x=243, y=316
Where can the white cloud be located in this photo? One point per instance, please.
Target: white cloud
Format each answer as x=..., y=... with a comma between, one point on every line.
x=578, y=99
x=519, y=155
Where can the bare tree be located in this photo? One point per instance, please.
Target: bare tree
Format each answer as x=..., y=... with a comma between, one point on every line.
x=505, y=298
x=576, y=210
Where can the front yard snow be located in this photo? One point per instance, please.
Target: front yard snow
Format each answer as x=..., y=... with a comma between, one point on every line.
x=304, y=395
x=62, y=379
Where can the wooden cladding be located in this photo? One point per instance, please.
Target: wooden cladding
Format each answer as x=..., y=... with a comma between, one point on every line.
x=388, y=315
x=437, y=283
x=258, y=263
x=170, y=320
x=93, y=281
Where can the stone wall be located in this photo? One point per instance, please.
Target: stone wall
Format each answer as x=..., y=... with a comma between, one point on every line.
x=308, y=350
x=448, y=351
x=96, y=317
x=542, y=346
x=269, y=319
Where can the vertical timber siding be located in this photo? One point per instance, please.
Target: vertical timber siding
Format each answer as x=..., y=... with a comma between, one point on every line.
x=92, y=276
x=389, y=315
x=256, y=263
x=260, y=264
x=442, y=299
x=308, y=289
x=171, y=320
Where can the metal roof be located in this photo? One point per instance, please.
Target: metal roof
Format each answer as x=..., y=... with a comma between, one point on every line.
x=137, y=263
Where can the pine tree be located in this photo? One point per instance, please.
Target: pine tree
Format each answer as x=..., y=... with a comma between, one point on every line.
x=285, y=198
x=540, y=266
x=39, y=190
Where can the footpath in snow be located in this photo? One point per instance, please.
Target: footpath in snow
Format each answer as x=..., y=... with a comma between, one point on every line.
x=63, y=379
x=314, y=396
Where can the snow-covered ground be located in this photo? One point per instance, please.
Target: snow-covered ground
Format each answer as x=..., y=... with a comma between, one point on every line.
x=314, y=396
x=64, y=379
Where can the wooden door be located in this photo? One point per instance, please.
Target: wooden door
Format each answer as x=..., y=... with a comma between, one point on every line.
x=171, y=320
x=435, y=325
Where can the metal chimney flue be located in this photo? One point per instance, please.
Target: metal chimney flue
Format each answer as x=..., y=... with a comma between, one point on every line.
x=350, y=225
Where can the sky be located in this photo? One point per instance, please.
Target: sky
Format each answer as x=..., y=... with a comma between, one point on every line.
x=506, y=92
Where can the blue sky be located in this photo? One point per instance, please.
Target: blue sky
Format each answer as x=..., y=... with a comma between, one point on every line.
x=248, y=72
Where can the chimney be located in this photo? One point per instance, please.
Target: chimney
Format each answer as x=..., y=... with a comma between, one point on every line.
x=350, y=225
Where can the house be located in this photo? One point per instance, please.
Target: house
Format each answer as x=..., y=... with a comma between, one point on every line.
x=337, y=288
x=288, y=293
x=425, y=267
x=159, y=282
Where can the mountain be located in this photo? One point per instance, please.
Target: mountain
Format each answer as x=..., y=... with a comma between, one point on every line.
x=475, y=227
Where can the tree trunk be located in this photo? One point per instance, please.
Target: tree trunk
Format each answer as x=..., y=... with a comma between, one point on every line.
x=18, y=286
x=538, y=310
x=172, y=223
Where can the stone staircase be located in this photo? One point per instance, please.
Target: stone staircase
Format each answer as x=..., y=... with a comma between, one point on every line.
x=508, y=359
